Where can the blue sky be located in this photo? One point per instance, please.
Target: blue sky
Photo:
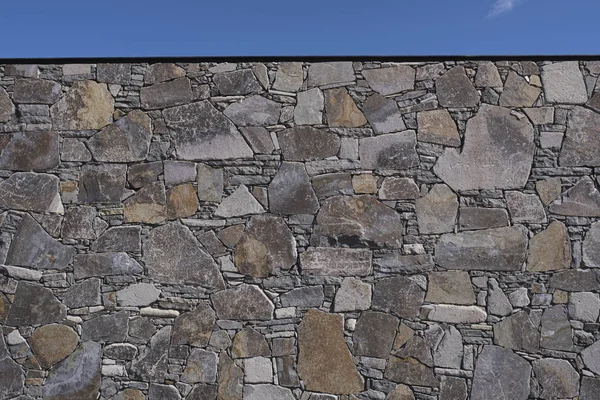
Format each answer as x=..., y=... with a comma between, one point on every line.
x=127, y=28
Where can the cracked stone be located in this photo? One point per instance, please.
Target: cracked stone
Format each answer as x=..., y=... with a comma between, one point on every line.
x=581, y=200
x=383, y=114
x=29, y=191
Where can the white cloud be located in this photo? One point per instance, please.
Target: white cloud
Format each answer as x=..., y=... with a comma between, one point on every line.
x=502, y=7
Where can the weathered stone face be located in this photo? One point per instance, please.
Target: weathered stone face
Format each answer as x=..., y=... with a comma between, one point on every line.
x=563, y=83
x=29, y=151
x=6, y=106
x=324, y=362
x=172, y=254
x=254, y=111
x=289, y=77
x=115, y=263
x=550, y=249
x=501, y=374
x=201, y=132
x=583, y=200
x=13, y=377
x=437, y=126
x=52, y=343
x=581, y=144
x=475, y=218
x=399, y=295
x=29, y=191
x=410, y=371
x=151, y=363
x=436, y=211
x=162, y=72
x=391, y=151
x=126, y=238
x=326, y=73
x=374, y=334
x=249, y=343
x=106, y=328
x=201, y=367
x=383, y=114
x=34, y=304
x=452, y=287
x=78, y=376
x=236, y=83
x=195, y=327
x=342, y=110
x=85, y=293
x=290, y=191
x=490, y=137
x=266, y=246
x=87, y=105
x=244, y=302
x=359, y=220
x=557, y=378
x=454, y=89
x=239, y=203
x=517, y=332
x=390, y=80
x=556, y=330
x=518, y=92
x=324, y=261
x=126, y=140
x=230, y=378
x=306, y=143
x=102, y=183
x=166, y=94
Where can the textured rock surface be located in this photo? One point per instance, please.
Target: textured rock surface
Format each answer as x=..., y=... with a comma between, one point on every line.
x=245, y=302
x=290, y=191
x=391, y=151
x=500, y=374
x=29, y=191
x=52, y=343
x=87, y=105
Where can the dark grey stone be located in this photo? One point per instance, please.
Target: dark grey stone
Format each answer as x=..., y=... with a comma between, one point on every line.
x=36, y=91
x=77, y=376
x=101, y=264
x=203, y=392
x=236, y=83
x=201, y=132
x=194, y=328
x=32, y=247
x=500, y=374
x=290, y=191
x=120, y=351
x=557, y=378
x=471, y=250
x=475, y=218
x=453, y=388
x=254, y=111
x=332, y=184
x=244, y=302
x=201, y=366
x=140, y=330
x=163, y=392
x=111, y=328
x=383, y=114
x=361, y=221
x=390, y=151
x=454, y=89
x=83, y=294
x=249, y=343
x=29, y=151
x=117, y=73
x=119, y=238
x=305, y=143
x=575, y=280
x=310, y=296
x=102, y=183
x=151, y=363
x=374, y=334
x=556, y=331
x=166, y=94
x=6, y=106
x=399, y=295
x=140, y=175
x=31, y=192
x=518, y=332
x=33, y=305
x=173, y=255
x=590, y=388
x=13, y=377
x=405, y=264
x=79, y=223
x=259, y=139
x=410, y=371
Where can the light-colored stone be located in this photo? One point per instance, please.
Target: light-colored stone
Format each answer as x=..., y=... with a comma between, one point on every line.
x=342, y=110
x=353, y=295
x=437, y=126
x=327, y=73
x=497, y=302
x=290, y=192
x=454, y=314
x=254, y=111
x=557, y=378
x=137, y=295
x=487, y=75
x=266, y=392
x=453, y=287
x=519, y=297
x=581, y=200
x=258, y=370
x=289, y=77
x=548, y=189
x=383, y=114
x=239, y=203
x=584, y=306
x=437, y=210
x=550, y=250
x=87, y=105
x=309, y=107
x=323, y=261
x=518, y=92
x=563, y=83
x=454, y=89
x=243, y=302
x=390, y=80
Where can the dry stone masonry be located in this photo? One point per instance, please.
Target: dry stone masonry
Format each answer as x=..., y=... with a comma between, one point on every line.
x=295, y=230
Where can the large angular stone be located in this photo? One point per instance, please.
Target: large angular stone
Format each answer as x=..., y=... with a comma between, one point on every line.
x=525, y=208
x=290, y=191
x=119, y=238
x=102, y=183
x=87, y=105
x=163, y=392
x=487, y=75
x=139, y=175
x=166, y=94
x=29, y=151
x=437, y=126
x=590, y=356
x=117, y=73
x=210, y=183
x=151, y=363
x=342, y=110
x=76, y=377
x=563, y=83
x=36, y=91
x=33, y=305
x=259, y=139
x=182, y=201
x=447, y=347
x=101, y=264
x=383, y=114
x=391, y=151
x=359, y=221
x=236, y=83
x=475, y=218
x=556, y=330
x=327, y=73
x=518, y=332
x=584, y=306
x=324, y=261
x=194, y=328
x=29, y=191
x=201, y=367
x=249, y=343
x=390, y=80
x=492, y=137
x=399, y=295
x=550, y=250
x=6, y=106
x=581, y=145
x=324, y=362
x=395, y=188
x=267, y=392
x=13, y=377
x=106, y=328
x=518, y=92
x=126, y=140
x=353, y=295
x=306, y=143
x=401, y=392
x=201, y=132
x=500, y=374
x=374, y=334
x=410, y=371
x=500, y=249
x=454, y=89
x=590, y=388
x=173, y=255
x=138, y=295
x=240, y=203
x=289, y=77
x=162, y=72
x=79, y=223
x=453, y=388
x=244, y=302
x=497, y=302
x=436, y=211
x=52, y=343
x=581, y=200
x=230, y=379
x=203, y=391
x=254, y=111
x=83, y=294
x=452, y=287
x=557, y=378
x=327, y=185
x=309, y=296
x=33, y=247
x=309, y=107
x=453, y=314
x=576, y=280
x=266, y=246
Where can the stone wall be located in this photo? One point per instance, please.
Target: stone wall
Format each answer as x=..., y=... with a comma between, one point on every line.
x=314, y=231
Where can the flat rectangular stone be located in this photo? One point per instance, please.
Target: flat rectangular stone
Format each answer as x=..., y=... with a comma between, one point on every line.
x=336, y=262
